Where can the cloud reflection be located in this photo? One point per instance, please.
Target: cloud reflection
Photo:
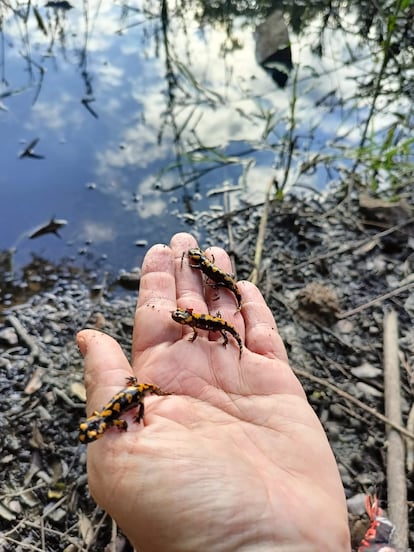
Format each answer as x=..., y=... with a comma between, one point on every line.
x=92, y=231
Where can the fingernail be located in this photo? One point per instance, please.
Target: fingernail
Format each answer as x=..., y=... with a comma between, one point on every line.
x=82, y=344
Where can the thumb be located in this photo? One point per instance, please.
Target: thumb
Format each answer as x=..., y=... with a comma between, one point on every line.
x=106, y=367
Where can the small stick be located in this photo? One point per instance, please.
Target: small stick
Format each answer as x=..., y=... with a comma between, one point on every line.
x=376, y=300
x=396, y=478
x=410, y=444
x=226, y=200
x=348, y=247
x=24, y=336
x=354, y=400
x=254, y=276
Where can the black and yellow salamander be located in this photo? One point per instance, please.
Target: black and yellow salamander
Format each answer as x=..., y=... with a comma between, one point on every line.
x=132, y=396
x=198, y=259
x=207, y=322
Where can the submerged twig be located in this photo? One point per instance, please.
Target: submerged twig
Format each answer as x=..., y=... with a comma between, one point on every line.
x=396, y=480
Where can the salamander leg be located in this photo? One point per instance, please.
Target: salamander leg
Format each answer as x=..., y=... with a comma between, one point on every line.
x=226, y=339
x=140, y=413
x=122, y=425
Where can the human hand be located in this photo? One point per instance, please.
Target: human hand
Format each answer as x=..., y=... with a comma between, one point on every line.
x=235, y=458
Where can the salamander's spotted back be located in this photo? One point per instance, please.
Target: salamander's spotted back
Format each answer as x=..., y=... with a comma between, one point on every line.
x=198, y=259
x=130, y=397
x=207, y=322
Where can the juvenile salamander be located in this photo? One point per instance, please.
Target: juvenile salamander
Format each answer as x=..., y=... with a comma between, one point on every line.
x=207, y=322
x=198, y=259
x=132, y=396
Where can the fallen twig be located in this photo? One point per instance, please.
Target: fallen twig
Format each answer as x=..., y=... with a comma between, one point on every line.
x=349, y=247
x=354, y=400
x=226, y=200
x=254, y=276
x=396, y=479
x=376, y=300
x=24, y=336
x=68, y=400
x=409, y=443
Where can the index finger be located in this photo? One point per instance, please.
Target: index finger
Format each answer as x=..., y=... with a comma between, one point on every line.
x=156, y=299
x=164, y=285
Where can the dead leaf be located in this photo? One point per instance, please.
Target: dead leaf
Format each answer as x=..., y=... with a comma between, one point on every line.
x=35, y=382
x=99, y=321
x=78, y=390
x=85, y=528
x=54, y=494
x=6, y=514
x=36, y=440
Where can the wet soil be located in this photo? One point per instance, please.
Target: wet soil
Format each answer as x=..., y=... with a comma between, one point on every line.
x=323, y=265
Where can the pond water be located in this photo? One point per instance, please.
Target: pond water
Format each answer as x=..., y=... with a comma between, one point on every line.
x=128, y=121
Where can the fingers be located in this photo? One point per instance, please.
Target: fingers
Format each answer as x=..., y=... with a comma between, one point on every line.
x=106, y=367
x=157, y=298
x=166, y=283
x=169, y=281
x=262, y=336
x=189, y=283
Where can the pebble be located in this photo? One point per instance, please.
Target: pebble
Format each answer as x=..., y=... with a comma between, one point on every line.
x=368, y=390
x=345, y=326
x=356, y=504
x=8, y=336
x=336, y=411
x=57, y=514
x=333, y=430
x=366, y=370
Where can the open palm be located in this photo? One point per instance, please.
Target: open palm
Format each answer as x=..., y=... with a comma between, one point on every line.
x=234, y=458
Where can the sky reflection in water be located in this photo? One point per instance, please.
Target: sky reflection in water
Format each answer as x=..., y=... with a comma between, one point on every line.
x=103, y=157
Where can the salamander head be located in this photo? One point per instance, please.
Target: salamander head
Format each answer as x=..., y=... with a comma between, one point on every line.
x=182, y=316
x=196, y=255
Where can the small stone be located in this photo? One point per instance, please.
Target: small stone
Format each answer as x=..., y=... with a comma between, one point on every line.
x=336, y=411
x=366, y=370
x=8, y=336
x=368, y=390
x=355, y=423
x=356, y=504
x=129, y=280
x=345, y=326
x=333, y=430
x=15, y=506
x=56, y=515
